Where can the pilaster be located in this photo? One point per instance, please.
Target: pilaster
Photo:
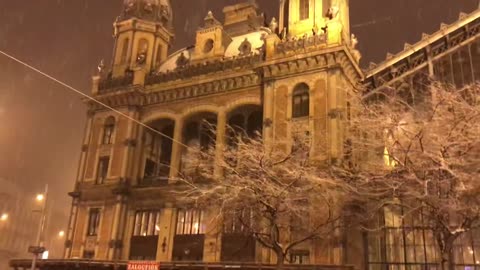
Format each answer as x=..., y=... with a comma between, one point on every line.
x=177, y=149
x=220, y=142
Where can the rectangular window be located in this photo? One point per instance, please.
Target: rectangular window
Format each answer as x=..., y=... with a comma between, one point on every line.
x=93, y=222
x=240, y=221
x=300, y=256
x=88, y=254
x=102, y=170
x=190, y=222
x=304, y=9
x=147, y=223
x=150, y=168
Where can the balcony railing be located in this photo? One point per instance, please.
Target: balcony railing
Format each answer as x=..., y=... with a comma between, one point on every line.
x=301, y=43
x=109, y=84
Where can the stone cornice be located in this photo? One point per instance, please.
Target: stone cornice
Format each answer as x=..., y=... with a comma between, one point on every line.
x=238, y=77
x=202, y=89
x=139, y=96
x=329, y=58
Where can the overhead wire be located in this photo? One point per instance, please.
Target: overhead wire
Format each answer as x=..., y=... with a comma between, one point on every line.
x=91, y=98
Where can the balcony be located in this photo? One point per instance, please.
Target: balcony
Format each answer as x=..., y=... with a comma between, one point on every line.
x=110, y=84
x=303, y=43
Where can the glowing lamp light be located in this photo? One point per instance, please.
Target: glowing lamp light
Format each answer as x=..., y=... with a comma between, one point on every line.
x=4, y=217
x=40, y=197
x=61, y=233
x=45, y=255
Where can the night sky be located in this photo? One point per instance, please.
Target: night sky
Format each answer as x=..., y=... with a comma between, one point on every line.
x=41, y=123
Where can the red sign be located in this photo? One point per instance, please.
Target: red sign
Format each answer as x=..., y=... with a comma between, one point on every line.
x=139, y=265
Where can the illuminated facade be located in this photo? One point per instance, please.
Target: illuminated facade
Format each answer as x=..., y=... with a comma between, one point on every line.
x=291, y=75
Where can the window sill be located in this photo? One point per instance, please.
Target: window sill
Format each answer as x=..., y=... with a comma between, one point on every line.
x=300, y=119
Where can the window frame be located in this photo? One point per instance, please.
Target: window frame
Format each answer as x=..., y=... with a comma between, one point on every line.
x=102, y=170
x=301, y=93
x=304, y=10
x=108, y=131
x=146, y=223
x=186, y=226
x=93, y=225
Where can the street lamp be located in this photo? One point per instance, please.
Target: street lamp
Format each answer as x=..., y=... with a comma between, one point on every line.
x=4, y=217
x=38, y=249
x=40, y=197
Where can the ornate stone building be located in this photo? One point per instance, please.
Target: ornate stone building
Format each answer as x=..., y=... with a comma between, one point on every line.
x=290, y=75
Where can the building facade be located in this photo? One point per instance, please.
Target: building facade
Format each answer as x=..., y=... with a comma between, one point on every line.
x=279, y=78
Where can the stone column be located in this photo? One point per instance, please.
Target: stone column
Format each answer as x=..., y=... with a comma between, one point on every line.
x=114, y=241
x=268, y=113
x=71, y=225
x=177, y=148
x=281, y=17
x=84, y=154
x=220, y=142
x=166, y=233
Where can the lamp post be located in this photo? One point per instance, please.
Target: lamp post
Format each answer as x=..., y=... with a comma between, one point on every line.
x=38, y=248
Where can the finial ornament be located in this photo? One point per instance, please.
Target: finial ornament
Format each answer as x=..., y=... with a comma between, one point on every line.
x=101, y=67
x=332, y=12
x=273, y=25
x=353, y=41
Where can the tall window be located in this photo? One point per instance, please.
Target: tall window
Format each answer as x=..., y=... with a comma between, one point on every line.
x=102, y=170
x=147, y=223
x=93, y=222
x=403, y=241
x=190, y=222
x=142, y=50
x=239, y=221
x=123, y=56
x=304, y=9
x=301, y=101
x=108, y=130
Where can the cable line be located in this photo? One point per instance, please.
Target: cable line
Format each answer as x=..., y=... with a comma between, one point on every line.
x=89, y=97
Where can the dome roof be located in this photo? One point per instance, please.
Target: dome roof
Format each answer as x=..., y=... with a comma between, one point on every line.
x=150, y=10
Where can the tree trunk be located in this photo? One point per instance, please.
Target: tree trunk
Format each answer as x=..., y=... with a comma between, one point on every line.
x=447, y=262
x=280, y=259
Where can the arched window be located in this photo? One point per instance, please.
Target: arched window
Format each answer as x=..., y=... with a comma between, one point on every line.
x=304, y=9
x=123, y=56
x=108, y=129
x=301, y=101
x=142, y=51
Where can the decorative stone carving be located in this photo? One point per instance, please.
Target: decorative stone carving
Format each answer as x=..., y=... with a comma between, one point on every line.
x=245, y=48
x=273, y=25
x=182, y=60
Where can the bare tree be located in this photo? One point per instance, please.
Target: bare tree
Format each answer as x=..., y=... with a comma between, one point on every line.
x=280, y=199
x=430, y=149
